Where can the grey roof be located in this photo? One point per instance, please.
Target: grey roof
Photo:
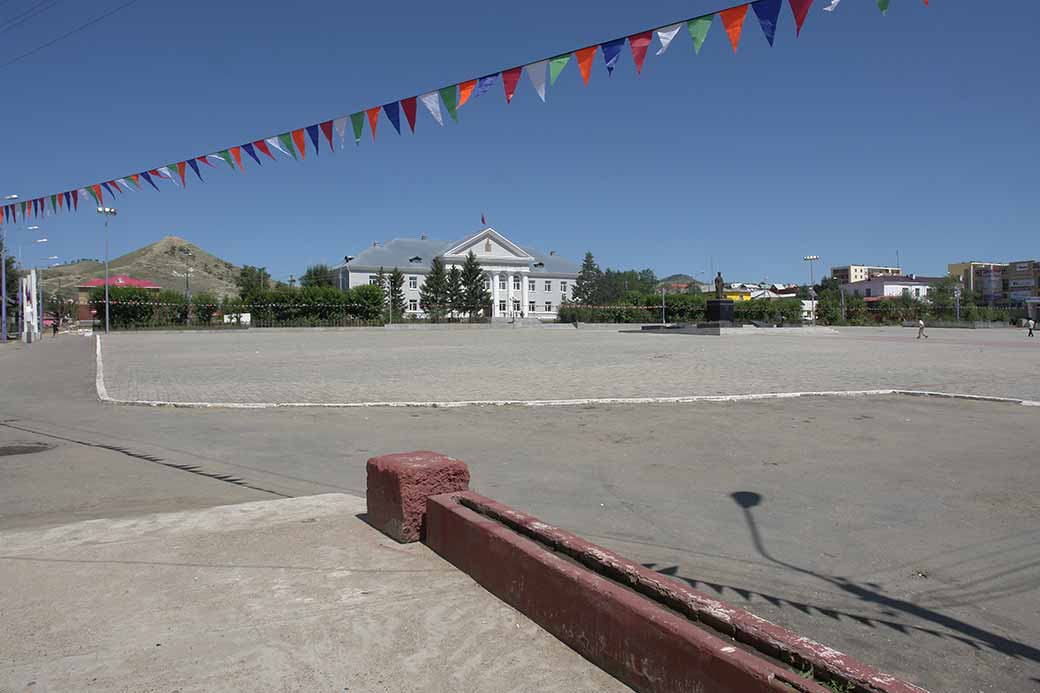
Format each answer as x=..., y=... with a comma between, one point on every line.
x=400, y=251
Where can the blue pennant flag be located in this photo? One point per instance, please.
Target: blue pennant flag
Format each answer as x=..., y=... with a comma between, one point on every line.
x=195, y=167
x=393, y=114
x=251, y=151
x=144, y=174
x=313, y=133
x=485, y=83
x=611, y=53
x=68, y=200
x=105, y=186
x=767, y=11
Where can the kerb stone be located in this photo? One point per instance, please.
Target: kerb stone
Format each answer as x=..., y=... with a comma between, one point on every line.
x=399, y=484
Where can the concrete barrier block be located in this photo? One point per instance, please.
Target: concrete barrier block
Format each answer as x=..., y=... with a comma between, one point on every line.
x=399, y=484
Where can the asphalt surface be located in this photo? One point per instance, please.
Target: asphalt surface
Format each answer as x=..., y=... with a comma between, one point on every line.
x=901, y=530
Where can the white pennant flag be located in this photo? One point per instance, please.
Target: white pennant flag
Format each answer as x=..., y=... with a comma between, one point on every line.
x=831, y=7
x=172, y=174
x=666, y=35
x=124, y=184
x=341, y=128
x=432, y=101
x=536, y=71
x=273, y=141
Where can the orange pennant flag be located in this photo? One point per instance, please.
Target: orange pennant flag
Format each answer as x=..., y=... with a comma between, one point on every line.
x=584, y=57
x=235, y=152
x=465, y=91
x=733, y=20
x=299, y=138
x=373, y=120
x=180, y=171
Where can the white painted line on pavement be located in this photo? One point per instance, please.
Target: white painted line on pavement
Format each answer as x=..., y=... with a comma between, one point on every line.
x=102, y=394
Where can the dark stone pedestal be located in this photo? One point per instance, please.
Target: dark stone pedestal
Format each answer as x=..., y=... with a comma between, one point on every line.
x=720, y=313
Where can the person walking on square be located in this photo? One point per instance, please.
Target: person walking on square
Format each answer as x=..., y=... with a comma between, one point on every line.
x=920, y=329
x=1031, y=324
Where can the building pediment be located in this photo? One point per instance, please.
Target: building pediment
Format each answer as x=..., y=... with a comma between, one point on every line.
x=489, y=246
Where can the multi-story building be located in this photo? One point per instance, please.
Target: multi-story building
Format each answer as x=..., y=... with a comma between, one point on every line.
x=522, y=281
x=1022, y=279
x=983, y=278
x=849, y=274
x=886, y=286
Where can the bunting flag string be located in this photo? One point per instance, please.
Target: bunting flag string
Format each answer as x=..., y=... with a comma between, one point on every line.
x=542, y=74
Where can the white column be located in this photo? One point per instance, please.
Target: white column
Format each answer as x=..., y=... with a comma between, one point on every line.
x=509, y=291
x=494, y=295
x=524, y=279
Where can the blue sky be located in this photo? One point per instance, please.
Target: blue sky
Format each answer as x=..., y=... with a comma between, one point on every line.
x=913, y=132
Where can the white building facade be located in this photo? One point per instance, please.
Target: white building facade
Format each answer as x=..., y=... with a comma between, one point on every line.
x=891, y=287
x=523, y=282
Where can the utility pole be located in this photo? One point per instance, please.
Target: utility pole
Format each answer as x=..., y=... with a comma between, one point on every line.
x=106, y=212
x=662, y=306
x=812, y=285
x=3, y=278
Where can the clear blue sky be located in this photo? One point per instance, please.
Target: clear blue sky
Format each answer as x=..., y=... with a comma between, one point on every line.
x=916, y=131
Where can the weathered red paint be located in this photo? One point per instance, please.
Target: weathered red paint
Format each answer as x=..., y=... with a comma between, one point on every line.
x=609, y=608
x=398, y=486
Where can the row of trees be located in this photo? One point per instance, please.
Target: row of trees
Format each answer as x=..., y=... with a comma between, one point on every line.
x=455, y=292
x=636, y=308
x=596, y=287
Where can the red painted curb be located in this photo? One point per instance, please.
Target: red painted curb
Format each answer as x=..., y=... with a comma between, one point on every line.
x=650, y=632
x=398, y=486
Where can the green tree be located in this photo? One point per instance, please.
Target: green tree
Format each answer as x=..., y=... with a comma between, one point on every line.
x=433, y=295
x=252, y=281
x=203, y=307
x=476, y=296
x=942, y=300
x=318, y=275
x=395, y=294
x=456, y=291
x=367, y=302
x=588, y=282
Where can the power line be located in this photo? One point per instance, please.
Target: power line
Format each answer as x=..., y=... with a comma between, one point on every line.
x=67, y=34
x=34, y=11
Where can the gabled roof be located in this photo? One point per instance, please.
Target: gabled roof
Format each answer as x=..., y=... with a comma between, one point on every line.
x=119, y=280
x=462, y=246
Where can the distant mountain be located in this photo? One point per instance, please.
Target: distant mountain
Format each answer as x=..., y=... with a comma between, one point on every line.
x=156, y=263
x=675, y=279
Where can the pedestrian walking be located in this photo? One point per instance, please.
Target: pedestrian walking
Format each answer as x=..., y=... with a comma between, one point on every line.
x=1032, y=324
x=920, y=329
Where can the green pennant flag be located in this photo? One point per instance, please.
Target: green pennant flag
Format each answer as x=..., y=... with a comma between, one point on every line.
x=226, y=156
x=286, y=139
x=698, y=29
x=883, y=6
x=556, y=66
x=90, y=189
x=54, y=203
x=358, y=121
x=450, y=95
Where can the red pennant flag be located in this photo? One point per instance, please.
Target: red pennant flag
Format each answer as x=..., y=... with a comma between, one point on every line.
x=639, y=43
x=373, y=120
x=408, y=105
x=509, y=80
x=75, y=199
x=235, y=152
x=299, y=138
x=733, y=20
x=262, y=146
x=800, y=9
x=204, y=159
x=116, y=186
x=99, y=194
x=61, y=202
x=585, y=56
x=326, y=129
x=465, y=91
x=181, y=167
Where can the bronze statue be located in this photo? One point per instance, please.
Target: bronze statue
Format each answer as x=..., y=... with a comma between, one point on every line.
x=719, y=287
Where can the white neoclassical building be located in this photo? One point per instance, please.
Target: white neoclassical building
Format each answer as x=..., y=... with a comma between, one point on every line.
x=522, y=281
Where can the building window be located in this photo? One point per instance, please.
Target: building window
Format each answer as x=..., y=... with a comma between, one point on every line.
x=516, y=283
x=906, y=292
x=502, y=307
x=413, y=282
x=530, y=286
x=563, y=287
x=563, y=298
x=530, y=306
x=413, y=305
x=373, y=279
x=502, y=283
x=487, y=283
x=516, y=306
x=548, y=286
x=917, y=293
x=548, y=307
x=868, y=293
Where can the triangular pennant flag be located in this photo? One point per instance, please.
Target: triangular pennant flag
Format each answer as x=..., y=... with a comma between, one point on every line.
x=450, y=95
x=509, y=80
x=277, y=144
x=326, y=129
x=585, y=56
x=556, y=66
x=393, y=114
x=698, y=29
x=251, y=151
x=285, y=140
x=68, y=201
x=262, y=146
x=373, y=120
x=181, y=168
x=136, y=180
x=75, y=199
x=358, y=121
x=639, y=43
x=611, y=53
x=433, y=104
x=36, y=205
x=767, y=11
x=147, y=177
x=665, y=35
x=95, y=192
x=466, y=90
x=61, y=204
x=800, y=10
x=204, y=159
x=833, y=6
x=313, y=133
x=408, y=106
x=484, y=84
x=195, y=167
x=883, y=6
x=341, y=128
x=733, y=20
x=537, y=74
x=115, y=186
x=236, y=153
x=170, y=173
x=54, y=203
x=122, y=182
x=300, y=140
x=226, y=156
x=160, y=172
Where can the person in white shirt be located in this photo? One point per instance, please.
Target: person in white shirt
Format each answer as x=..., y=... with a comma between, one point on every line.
x=1032, y=324
x=920, y=329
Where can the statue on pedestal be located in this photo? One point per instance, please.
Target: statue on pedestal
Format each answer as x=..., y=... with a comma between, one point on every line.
x=720, y=286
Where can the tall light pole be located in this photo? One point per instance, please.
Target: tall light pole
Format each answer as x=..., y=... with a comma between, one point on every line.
x=3, y=278
x=812, y=285
x=106, y=212
x=39, y=279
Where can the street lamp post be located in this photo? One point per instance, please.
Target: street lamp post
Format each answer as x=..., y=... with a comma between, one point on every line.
x=3, y=279
x=106, y=212
x=812, y=285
